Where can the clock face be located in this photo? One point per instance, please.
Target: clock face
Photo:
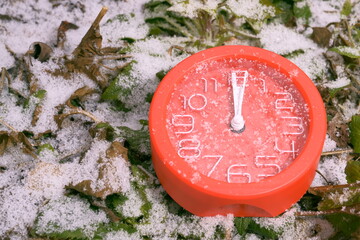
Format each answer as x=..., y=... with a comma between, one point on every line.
x=236, y=120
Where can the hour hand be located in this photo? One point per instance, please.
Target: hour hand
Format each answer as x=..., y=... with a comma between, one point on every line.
x=237, y=122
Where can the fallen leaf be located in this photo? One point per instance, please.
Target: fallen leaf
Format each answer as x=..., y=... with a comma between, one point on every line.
x=10, y=139
x=89, y=55
x=103, y=131
x=338, y=131
x=88, y=48
x=117, y=149
x=61, y=117
x=43, y=176
x=80, y=94
x=4, y=76
x=336, y=61
x=106, y=183
x=321, y=36
x=36, y=114
x=4, y=142
x=61, y=34
x=40, y=51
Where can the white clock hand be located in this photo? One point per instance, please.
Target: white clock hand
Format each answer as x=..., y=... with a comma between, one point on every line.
x=238, y=122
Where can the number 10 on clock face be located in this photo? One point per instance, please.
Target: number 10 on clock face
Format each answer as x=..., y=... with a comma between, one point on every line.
x=237, y=121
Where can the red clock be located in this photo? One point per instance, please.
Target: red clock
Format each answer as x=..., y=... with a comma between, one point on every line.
x=236, y=129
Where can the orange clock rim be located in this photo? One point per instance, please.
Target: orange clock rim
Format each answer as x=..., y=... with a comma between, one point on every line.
x=303, y=166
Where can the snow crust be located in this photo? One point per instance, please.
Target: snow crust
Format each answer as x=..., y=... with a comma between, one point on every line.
x=28, y=187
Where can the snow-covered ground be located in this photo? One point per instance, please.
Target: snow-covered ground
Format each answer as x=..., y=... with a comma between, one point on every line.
x=33, y=197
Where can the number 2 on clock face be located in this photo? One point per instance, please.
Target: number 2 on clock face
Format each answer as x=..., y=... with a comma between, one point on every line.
x=239, y=126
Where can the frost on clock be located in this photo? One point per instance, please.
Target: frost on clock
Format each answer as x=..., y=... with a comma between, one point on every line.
x=204, y=103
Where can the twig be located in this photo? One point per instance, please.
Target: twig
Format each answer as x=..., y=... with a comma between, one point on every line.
x=4, y=75
x=244, y=34
x=146, y=172
x=7, y=125
x=349, y=30
x=327, y=182
x=113, y=217
x=93, y=117
x=347, y=209
x=170, y=50
x=331, y=187
x=99, y=17
x=336, y=152
x=109, y=57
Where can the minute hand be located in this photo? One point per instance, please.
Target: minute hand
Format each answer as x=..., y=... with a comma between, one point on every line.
x=238, y=122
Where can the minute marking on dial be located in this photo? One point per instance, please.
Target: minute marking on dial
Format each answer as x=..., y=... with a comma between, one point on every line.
x=237, y=122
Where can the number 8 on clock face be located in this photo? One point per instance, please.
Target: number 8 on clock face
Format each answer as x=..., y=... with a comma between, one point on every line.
x=235, y=120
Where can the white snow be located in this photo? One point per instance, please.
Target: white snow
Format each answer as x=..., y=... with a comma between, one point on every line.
x=191, y=7
x=31, y=186
x=251, y=9
x=333, y=169
x=283, y=40
x=69, y=213
x=324, y=12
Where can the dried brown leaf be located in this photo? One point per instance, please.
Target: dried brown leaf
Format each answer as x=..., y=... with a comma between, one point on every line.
x=81, y=93
x=61, y=35
x=10, y=139
x=92, y=40
x=110, y=213
x=34, y=86
x=321, y=36
x=85, y=52
x=102, y=131
x=117, y=149
x=338, y=131
x=89, y=55
x=38, y=177
x=4, y=76
x=40, y=51
x=27, y=146
x=36, y=114
x=336, y=61
x=86, y=187
x=4, y=142
x=106, y=170
x=61, y=117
